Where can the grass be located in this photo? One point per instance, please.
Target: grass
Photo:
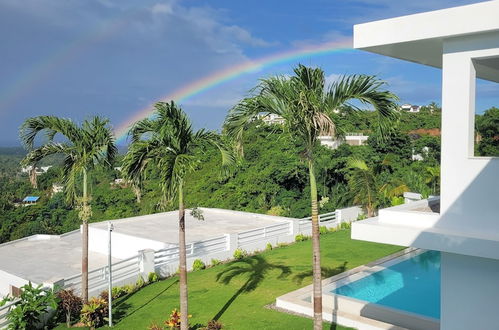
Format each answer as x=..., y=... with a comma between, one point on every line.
x=236, y=293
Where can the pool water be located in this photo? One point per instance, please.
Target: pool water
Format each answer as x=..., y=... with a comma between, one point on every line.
x=412, y=285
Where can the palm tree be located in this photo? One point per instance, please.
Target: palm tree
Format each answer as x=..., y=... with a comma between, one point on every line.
x=84, y=147
x=307, y=106
x=366, y=188
x=167, y=142
x=433, y=178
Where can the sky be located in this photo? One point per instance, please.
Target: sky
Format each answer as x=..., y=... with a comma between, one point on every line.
x=114, y=58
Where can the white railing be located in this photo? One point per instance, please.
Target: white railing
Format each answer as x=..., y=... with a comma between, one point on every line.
x=206, y=247
x=322, y=217
x=165, y=261
x=98, y=278
x=264, y=233
x=4, y=311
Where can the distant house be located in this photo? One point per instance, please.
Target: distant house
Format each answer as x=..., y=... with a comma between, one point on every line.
x=410, y=108
x=353, y=139
x=57, y=188
x=271, y=119
x=30, y=200
x=38, y=170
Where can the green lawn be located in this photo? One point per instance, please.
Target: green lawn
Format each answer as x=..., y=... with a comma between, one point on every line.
x=238, y=297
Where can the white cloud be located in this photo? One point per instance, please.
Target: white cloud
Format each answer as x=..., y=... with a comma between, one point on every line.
x=162, y=8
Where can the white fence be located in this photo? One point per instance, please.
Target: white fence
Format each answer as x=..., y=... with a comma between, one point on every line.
x=4, y=310
x=165, y=261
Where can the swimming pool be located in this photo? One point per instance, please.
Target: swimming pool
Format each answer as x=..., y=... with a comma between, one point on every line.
x=412, y=285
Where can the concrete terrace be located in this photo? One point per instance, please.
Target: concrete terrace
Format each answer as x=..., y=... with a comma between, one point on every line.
x=46, y=258
x=163, y=227
x=50, y=258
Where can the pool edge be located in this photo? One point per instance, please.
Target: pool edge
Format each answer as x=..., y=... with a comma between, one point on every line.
x=357, y=313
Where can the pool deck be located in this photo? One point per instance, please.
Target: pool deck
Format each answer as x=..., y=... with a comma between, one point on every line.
x=356, y=313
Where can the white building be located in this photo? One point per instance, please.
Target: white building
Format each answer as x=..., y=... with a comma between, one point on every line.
x=57, y=188
x=353, y=139
x=272, y=119
x=410, y=108
x=464, y=43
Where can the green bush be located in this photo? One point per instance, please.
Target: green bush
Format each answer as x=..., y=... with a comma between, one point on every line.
x=94, y=312
x=130, y=288
x=268, y=247
x=345, y=225
x=33, y=305
x=152, y=277
x=215, y=262
x=323, y=230
x=301, y=238
x=118, y=291
x=198, y=264
x=140, y=283
x=239, y=254
x=280, y=245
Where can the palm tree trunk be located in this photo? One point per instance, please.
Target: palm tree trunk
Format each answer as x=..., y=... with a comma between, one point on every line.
x=184, y=313
x=316, y=251
x=84, y=241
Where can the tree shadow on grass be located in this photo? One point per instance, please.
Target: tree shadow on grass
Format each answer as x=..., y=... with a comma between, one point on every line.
x=121, y=307
x=325, y=273
x=256, y=268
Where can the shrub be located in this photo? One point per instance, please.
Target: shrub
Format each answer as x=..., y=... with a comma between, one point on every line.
x=69, y=305
x=277, y=211
x=198, y=264
x=173, y=321
x=152, y=277
x=130, y=288
x=5, y=300
x=345, y=225
x=33, y=305
x=301, y=238
x=280, y=245
x=213, y=325
x=239, y=254
x=323, y=230
x=268, y=247
x=118, y=291
x=140, y=283
x=94, y=312
x=362, y=216
x=154, y=326
x=215, y=262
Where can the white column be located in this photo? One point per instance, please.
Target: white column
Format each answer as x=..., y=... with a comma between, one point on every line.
x=146, y=262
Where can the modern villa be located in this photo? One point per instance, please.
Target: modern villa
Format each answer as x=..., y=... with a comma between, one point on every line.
x=455, y=237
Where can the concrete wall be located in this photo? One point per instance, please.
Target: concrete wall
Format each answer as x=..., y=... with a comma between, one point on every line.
x=470, y=292
x=469, y=185
x=123, y=246
x=6, y=280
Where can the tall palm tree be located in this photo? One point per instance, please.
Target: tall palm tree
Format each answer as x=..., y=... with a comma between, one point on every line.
x=84, y=147
x=307, y=105
x=167, y=142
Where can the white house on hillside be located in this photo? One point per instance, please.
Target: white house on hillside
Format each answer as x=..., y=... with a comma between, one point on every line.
x=353, y=139
x=464, y=43
x=410, y=108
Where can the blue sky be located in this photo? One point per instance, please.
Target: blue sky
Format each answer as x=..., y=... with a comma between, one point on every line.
x=76, y=58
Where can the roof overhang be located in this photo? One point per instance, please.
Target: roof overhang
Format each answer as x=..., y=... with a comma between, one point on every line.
x=420, y=38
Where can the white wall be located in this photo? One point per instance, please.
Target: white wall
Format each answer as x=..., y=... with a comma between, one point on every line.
x=469, y=185
x=470, y=292
x=123, y=246
x=6, y=280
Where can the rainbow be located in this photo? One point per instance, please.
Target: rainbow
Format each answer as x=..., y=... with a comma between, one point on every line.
x=199, y=86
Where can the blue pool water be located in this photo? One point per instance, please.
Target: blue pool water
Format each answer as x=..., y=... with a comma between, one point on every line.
x=412, y=285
